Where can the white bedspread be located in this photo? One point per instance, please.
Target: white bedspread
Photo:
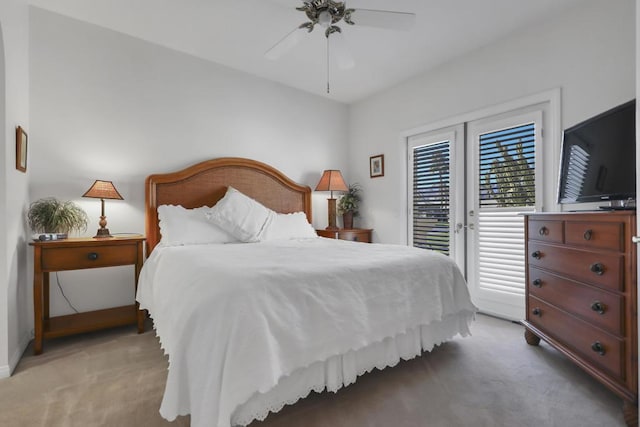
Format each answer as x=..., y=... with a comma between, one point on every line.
x=235, y=319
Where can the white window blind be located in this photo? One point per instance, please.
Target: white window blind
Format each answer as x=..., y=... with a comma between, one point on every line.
x=507, y=167
x=431, y=196
x=500, y=255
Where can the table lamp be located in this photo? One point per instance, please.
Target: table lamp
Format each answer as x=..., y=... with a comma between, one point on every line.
x=332, y=180
x=103, y=190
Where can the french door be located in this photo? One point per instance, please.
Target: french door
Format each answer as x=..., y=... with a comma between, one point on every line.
x=436, y=196
x=468, y=186
x=503, y=158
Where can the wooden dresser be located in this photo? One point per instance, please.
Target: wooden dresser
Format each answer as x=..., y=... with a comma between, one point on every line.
x=581, y=294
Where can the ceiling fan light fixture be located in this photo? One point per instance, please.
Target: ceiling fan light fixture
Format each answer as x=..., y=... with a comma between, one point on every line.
x=324, y=12
x=325, y=19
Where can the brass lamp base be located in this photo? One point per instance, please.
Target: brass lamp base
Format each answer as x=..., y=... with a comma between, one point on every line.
x=332, y=214
x=102, y=233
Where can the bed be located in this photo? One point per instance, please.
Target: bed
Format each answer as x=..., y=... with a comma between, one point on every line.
x=251, y=327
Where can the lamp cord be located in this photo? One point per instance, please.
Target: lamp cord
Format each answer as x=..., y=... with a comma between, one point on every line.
x=62, y=292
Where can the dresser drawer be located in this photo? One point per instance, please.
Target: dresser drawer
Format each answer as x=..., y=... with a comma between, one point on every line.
x=601, y=269
x=545, y=230
x=74, y=258
x=598, y=307
x=594, y=345
x=601, y=235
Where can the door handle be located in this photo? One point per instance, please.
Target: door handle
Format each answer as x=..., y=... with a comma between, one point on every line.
x=460, y=226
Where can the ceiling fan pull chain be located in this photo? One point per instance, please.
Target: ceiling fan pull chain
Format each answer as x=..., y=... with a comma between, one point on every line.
x=328, y=89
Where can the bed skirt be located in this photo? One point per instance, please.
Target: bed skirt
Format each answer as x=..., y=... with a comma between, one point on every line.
x=341, y=370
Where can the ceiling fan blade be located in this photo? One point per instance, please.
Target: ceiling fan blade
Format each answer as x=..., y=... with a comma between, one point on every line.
x=402, y=21
x=288, y=3
x=339, y=49
x=285, y=44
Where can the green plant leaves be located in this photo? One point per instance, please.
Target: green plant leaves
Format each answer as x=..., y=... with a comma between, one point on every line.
x=50, y=215
x=350, y=202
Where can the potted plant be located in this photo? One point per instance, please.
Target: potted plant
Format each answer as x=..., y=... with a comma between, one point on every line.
x=348, y=205
x=50, y=215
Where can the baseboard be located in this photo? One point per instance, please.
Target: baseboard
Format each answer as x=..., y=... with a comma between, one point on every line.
x=7, y=370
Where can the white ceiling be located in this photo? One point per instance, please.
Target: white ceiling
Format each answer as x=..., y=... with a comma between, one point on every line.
x=236, y=33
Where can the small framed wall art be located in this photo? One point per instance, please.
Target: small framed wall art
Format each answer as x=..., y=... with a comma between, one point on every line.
x=21, y=149
x=376, y=166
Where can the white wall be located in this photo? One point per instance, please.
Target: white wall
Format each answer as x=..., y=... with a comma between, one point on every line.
x=14, y=111
x=109, y=106
x=589, y=53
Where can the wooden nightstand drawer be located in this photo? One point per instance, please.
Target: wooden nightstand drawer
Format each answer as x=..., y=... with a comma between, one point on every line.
x=363, y=236
x=354, y=234
x=58, y=259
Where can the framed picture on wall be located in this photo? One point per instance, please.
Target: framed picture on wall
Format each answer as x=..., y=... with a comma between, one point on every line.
x=21, y=149
x=376, y=166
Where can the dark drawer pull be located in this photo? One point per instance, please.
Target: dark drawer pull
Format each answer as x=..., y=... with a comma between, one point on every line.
x=597, y=268
x=537, y=255
x=536, y=312
x=543, y=231
x=587, y=235
x=537, y=283
x=598, y=348
x=92, y=256
x=598, y=307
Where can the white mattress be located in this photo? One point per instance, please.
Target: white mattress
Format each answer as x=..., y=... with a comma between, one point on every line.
x=251, y=327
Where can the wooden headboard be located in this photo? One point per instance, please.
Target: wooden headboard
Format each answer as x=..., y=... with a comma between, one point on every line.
x=205, y=183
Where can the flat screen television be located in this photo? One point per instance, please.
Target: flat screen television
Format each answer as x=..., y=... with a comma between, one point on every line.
x=599, y=159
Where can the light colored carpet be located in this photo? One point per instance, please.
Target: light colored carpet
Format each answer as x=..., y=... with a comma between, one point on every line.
x=116, y=378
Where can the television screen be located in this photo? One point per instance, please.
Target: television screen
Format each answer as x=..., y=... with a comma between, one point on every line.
x=599, y=158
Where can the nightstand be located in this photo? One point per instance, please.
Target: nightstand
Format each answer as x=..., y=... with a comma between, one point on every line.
x=353, y=234
x=79, y=254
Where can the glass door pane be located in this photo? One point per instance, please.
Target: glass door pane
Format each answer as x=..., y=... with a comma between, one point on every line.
x=502, y=181
x=436, y=198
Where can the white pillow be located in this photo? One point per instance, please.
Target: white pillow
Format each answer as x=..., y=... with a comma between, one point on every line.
x=181, y=226
x=241, y=216
x=289, y=226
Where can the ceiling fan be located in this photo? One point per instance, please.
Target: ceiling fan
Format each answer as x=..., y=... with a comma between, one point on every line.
x=328, y=14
